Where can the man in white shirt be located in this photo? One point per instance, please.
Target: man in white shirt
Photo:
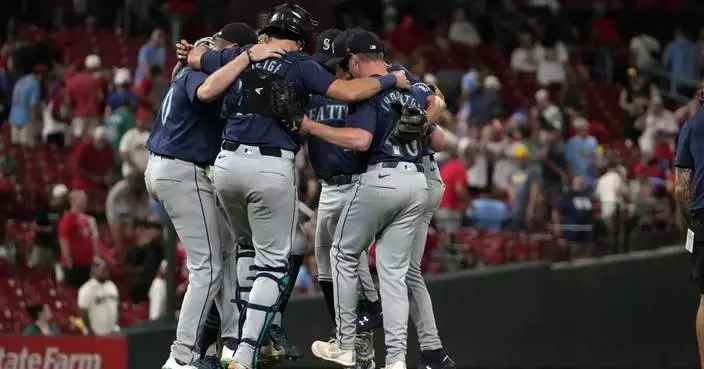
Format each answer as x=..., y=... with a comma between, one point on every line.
x=462, y=31
x=642, y=47
x=522, y=57
x=98, y=300
x=133, y=147
x=610, y=188
x=551, y=62
x=656, y=119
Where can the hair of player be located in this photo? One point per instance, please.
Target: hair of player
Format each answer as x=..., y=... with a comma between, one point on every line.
x=371, y=57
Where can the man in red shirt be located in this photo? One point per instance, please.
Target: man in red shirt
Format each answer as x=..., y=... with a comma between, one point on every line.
x=456, y=196
x=91, y=162
x=78, y=238
x=84, y=91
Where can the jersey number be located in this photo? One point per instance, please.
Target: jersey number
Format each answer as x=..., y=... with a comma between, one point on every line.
x=166, y=105
x=582, y=203
x=408, y=149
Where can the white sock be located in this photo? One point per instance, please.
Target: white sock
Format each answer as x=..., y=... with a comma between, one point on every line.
x=277, y=319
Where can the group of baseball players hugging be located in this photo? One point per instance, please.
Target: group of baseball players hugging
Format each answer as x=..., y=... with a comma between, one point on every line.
x=222, y=165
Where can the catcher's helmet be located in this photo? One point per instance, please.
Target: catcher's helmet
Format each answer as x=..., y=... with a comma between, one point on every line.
x=291, y=19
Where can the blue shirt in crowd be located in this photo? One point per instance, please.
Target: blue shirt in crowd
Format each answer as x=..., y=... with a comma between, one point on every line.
x=25, y=95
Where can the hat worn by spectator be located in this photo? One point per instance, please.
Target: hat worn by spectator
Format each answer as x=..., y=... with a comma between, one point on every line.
x=122, y=76
x=92, y=62
x=97, y=264
x=542, y=95
x=59, y=190
x=237, y=33
x=100, y=133
x=520, y=152
x=325, y=46
x=580, y=123
x=492, y=82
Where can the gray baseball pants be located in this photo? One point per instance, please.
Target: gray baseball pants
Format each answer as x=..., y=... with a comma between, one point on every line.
x=258, y=192
x=421, y=306
x=387, y=202
x=186, y=193
x=332, y=201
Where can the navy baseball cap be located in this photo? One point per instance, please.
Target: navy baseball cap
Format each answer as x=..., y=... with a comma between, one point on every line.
x=237, y=33
x=365, y=42
x=339, y=48
x=324, y=48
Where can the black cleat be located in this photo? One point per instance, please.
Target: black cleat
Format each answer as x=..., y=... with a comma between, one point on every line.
x=369, y=316
x=435, y=359
x=280, y=339
x=208, y=362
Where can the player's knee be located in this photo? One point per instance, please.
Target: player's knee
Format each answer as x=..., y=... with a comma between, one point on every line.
x=340, y=255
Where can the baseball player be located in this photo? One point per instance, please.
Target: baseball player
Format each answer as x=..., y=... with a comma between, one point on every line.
x=387, y=201
x=182, y=145
x=254, y=171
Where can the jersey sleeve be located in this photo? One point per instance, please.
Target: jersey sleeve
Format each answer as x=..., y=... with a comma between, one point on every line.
x=420, y=92
x=313, y=77
x=362, y=115
x=683, y=158
x=193, y=81
x=85, y=297
x=212, y=60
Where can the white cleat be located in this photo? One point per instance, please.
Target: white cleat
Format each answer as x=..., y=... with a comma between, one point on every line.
x=172, y=364
x=331, y=351
x=396, y=365
x=226, y=357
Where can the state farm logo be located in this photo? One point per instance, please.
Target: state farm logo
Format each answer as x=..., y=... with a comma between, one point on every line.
x=52, y=358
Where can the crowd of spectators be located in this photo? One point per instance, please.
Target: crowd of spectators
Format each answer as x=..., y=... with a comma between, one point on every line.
x=547, y=165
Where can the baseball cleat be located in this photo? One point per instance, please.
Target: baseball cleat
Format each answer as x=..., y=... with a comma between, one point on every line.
x=331, y=351
x=270, y=354
x=235, y=365
x=364, y=346
x=435, y=359
x=227, y=356
x=280, y=339
x=396, y=365
x=365, y=365
x=208, y=362
x=369, y=316
x=172, y=363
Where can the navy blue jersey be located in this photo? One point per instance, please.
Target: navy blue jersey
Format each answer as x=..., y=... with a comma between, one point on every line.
x=414, y=80
x=327, y=159
x=250, y=128
x=187, y=128
x=377, y=116
x=575, y=208
x=690, y=154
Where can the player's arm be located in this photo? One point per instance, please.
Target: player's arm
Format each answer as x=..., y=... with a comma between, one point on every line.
x=684, y=163
x=220, y=80
x=435, y=107
x=356, y=135
x=320, y=82
x=442, y=140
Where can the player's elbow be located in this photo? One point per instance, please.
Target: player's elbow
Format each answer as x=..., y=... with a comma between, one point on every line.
x=362, y=141
x=206, y=92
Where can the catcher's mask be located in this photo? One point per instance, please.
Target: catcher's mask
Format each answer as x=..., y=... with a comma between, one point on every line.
x=289, y=20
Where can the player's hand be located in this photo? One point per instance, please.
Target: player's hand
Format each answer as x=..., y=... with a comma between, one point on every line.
x=401, y=80
x=306, y=124
x=260, y=52
x=182, y=50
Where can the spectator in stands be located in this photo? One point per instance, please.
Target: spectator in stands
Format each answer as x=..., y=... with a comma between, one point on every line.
x=581, y=153
x=123, y=94
x=56, y=120
x=643, y=48
x=84, y=94
x=406, y=37
x=683, y=113
x=46, y=251
x=127, y=201
x=573, y=92
x=546, y=113
x=555, y=176
x=153, y=53
x=642, y=217
x=522, y=57
x=524, y=188
x=456, y=196
x=25, y=111
x=606, y=40
x=78, y=239
x=41, y=321
x=8, y=166
x=487, y=103
x=682, y=57
x=656, y=119
x=98, y=300
x=551, y=58
x=92, y=162
x=487, y=213
x=143, y=258
x=160, y=84
x=574, y=220
x=471, y=83
x=133, y=145
x=611, y=190
x=462, y=30
x=119, y=122
x=634, y=100
x=157, y=293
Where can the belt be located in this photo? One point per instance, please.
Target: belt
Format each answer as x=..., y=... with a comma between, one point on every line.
x=395, y=164
x=338, y=180
x=199, y=165
x=265, y=151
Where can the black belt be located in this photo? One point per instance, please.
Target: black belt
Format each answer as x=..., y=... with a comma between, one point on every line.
x=395, y=164
x=338, y=180
x=266, y=151
x=199, y=165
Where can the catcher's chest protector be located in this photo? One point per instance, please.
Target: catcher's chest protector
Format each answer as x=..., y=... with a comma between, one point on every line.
x=258, y=79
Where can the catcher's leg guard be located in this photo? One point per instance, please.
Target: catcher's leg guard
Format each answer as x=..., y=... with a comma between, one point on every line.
x=263, y=306
x=245, y=275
